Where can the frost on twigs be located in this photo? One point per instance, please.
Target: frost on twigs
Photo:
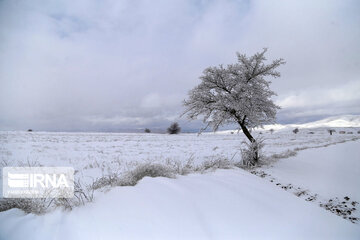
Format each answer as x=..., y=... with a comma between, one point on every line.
x=82, y=195
x=146, y=170
x=251, y=154
x=237, y=93
x=28, y=205
x=132, y=177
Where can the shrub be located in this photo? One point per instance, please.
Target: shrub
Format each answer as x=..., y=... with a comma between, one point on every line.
x=181, y=167
x=145, y=170
x=251, y=154
x=147, y=130
x=331, y=131
x=28, y=205
x=108, y=180
x=296, y=130
x=220, y=163
x=82, y=195
x=174, y=128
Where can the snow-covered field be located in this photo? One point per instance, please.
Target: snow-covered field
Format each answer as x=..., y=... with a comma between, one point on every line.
x=280, y=200
x=226, y=204
x=96, y=154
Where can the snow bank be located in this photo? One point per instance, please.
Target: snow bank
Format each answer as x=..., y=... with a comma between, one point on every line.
x=226, y=204
x=331, y=172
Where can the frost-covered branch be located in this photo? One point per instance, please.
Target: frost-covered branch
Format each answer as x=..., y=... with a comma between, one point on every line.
x=238, y=93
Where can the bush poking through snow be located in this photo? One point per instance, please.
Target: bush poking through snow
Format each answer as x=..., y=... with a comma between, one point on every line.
x=108, y=180
x=180, y=167
x=28, y=205
x=132, y=177
x=82, y=195
x=169, y=170
x=146, y=170
x=251, y=154
x=220, y=163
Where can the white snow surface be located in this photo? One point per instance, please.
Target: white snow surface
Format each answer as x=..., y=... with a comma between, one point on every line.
x=331, y=172
x=226, y=204
x=96, y=154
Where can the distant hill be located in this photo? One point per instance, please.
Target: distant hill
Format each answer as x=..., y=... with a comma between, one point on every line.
x=337, y=121
x=331, y=122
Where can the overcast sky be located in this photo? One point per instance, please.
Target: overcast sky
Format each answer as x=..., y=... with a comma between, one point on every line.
x=115, y=65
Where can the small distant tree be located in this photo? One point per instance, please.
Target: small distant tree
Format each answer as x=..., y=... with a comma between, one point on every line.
x=147, y=130
x=174, y=128
x=237, y=93
x=271, y=131
x=331, y=131
x=296, y=130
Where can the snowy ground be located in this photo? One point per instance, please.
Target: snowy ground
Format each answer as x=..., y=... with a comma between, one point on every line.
x=328, y=177
x=337, y=170
x=225, y=204
x=96, y=154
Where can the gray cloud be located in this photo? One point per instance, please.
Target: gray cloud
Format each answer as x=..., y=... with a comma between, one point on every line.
x=314, y=103
x=115, y=65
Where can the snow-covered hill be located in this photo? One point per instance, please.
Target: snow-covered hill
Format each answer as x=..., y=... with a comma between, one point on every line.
x=344, y=121
x=333, y=122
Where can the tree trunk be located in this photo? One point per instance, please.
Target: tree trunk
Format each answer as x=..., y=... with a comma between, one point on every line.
x=246, y=132
x=251, y=139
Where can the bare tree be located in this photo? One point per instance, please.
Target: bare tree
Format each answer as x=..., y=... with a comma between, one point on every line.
x=237, y=93
x=174, y=128
x=331, y=131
